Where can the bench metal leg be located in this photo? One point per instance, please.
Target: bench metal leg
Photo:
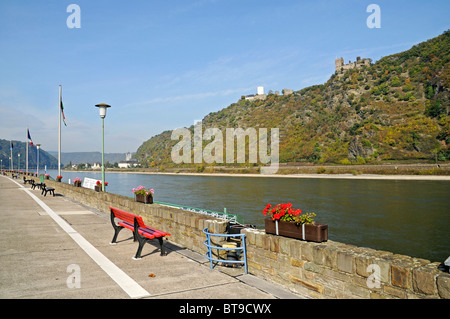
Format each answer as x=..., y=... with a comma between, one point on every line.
x=161, y=243
x=117, y=229
x=142, y=240
x=139, y=251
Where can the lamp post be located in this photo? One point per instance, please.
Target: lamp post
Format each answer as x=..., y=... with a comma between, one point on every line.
x=38, y=146
x=18, y=162
x=102, y=108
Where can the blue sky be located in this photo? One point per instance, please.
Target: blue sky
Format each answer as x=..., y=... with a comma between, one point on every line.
x=164, y=64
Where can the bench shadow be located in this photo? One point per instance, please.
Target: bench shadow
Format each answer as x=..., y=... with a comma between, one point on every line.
x=155, y=245
x=168, y=248
x=156, y=250
x=126, y=239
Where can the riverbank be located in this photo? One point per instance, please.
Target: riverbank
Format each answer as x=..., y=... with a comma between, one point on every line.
x=331, y=176
x=369, y=172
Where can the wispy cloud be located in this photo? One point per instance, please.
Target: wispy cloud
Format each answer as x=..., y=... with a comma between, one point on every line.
x=186, y=97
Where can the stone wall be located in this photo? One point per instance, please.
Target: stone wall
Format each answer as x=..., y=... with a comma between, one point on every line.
x=341, y=66
x=320, y=270
x=336, y=270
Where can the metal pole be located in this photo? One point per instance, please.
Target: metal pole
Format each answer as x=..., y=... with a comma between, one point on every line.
x=26, y=169
x=38, y=146
x=59, y=135
x=12, y=161
x=103, y=154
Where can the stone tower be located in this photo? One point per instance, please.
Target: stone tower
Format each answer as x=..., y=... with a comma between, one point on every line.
x=339, y=63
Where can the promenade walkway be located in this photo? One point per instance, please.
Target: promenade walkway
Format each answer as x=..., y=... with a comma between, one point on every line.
x=56, y=248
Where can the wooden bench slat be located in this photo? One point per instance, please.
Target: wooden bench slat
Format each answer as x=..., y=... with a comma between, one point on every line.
x=147, y=232
x=128, y=217
x=154, y=232
x=126, y=225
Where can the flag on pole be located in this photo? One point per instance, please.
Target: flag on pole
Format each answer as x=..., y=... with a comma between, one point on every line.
x=29, y=137
x=11, y=146
x=62, y=111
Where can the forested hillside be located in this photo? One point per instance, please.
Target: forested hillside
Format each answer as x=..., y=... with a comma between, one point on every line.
x=395, y=109
x=20, y=148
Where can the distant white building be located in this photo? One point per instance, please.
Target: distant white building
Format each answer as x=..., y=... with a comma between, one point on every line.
x=95, y=166
x=129, y=162
x=259, y=96
x=260, y=90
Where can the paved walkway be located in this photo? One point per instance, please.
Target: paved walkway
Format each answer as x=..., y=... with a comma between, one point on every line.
x=54, y=247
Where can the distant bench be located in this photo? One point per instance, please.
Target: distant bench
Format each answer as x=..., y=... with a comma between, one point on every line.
x=38, y=185
x=142, y=233
x=29, y=181
x=46, y=190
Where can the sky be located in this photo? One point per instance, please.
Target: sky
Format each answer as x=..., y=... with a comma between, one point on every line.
x=162, y=65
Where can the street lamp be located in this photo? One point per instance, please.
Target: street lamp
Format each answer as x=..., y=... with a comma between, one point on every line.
x=102, y=108
x=18, y=165
x=38, y=146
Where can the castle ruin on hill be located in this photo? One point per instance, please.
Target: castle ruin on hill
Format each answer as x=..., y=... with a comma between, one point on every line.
x=341, y=67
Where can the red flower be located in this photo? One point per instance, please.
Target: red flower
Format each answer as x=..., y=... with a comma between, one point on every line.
x=283, y=211
x=266, y=209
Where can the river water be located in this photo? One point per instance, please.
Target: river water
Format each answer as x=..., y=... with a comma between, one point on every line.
x=407, y=217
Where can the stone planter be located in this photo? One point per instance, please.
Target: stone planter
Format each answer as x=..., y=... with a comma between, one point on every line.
x=310, y=232
x=146, y=199
x=58, y=179
x=98, y=188
x=77, y=184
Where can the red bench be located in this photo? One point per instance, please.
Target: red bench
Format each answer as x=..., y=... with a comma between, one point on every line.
x=141, y=232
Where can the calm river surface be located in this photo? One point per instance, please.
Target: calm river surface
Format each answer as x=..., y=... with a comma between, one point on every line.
x=407, y=217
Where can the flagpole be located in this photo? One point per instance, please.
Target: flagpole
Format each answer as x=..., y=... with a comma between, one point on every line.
x=11, y=147
x=27, y=152
x=59, y=135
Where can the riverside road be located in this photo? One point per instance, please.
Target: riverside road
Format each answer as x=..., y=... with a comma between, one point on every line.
x=56, y=248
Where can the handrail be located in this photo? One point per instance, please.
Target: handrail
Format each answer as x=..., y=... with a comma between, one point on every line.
x=230, y=217
x=210, y=257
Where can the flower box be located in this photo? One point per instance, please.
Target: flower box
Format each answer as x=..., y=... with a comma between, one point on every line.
x=77, y=182
x=146, y=199
x=98, y=186
x=143, y=195
x=310, y=232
